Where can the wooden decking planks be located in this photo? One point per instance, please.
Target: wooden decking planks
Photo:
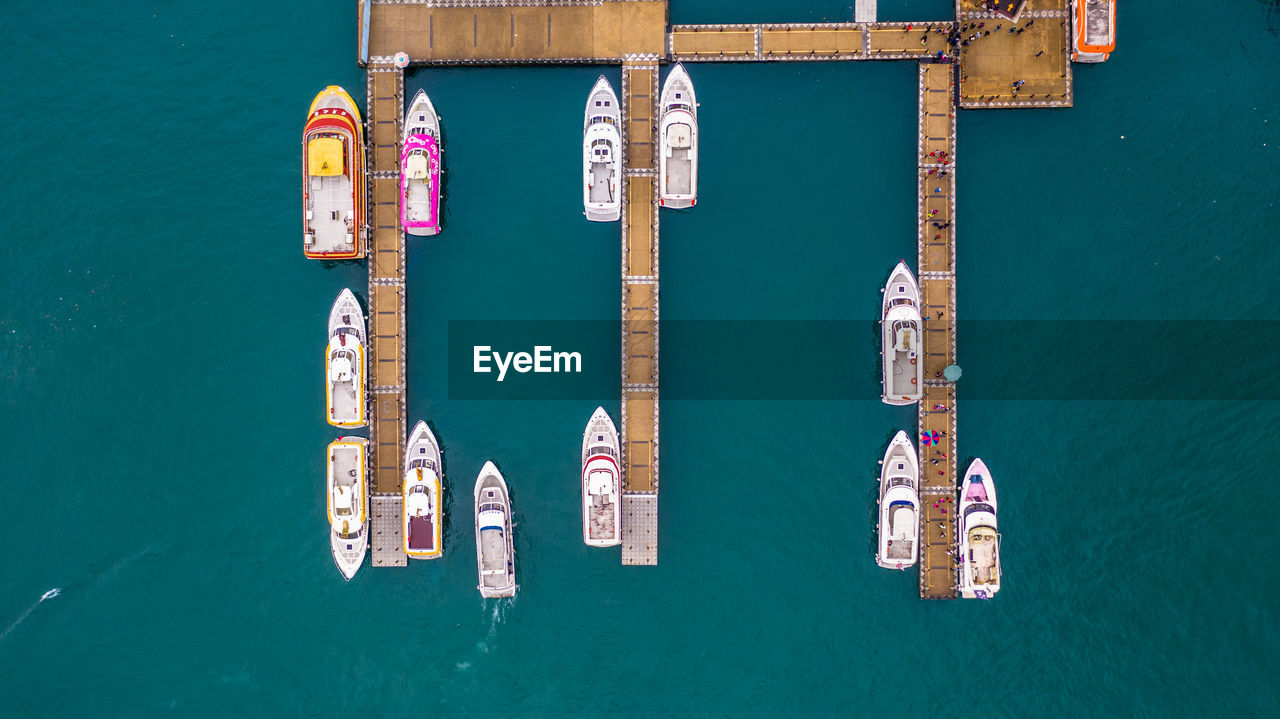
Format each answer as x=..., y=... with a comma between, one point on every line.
x=385, y=86
x=639, y=314
x=1039, y=57
x=807, y=41
x=492, y=33
x=935, y=159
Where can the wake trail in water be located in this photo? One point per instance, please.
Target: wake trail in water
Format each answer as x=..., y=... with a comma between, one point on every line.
x=23, y=617
x=92, y=581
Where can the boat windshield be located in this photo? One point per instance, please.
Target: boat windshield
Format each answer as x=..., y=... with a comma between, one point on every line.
x=491, y=507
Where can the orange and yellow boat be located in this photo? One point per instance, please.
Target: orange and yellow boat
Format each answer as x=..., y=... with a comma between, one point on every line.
x=1094, y=27
x=333, y=178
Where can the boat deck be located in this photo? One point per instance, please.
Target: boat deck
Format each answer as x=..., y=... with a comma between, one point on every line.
x=639, y=432
x=387, y=427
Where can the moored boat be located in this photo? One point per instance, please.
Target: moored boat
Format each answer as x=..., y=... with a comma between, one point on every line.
x=495, y=551
x=602, y=154
x=978, y=534
x=346, y=488
x=601, y=482
x=901, y=341
x=423, y=515
x=1093, y=28
x=420, y=163
x=899, y=527
x=333, y=182
x=345, y=363
x=678, y=140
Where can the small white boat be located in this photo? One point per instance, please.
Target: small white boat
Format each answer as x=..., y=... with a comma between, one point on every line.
x=902, y=343
x=678, y=137
x=899, y=527
x=344, y=391
x=423, y=514
x=601, y=482
x=978, y=533
x=348, y=503
x=602, y=154
x=495, y=552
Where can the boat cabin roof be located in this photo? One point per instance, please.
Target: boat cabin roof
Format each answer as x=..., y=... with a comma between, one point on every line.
x=325, y=157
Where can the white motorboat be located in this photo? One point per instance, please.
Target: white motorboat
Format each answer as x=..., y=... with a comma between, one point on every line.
x=601, y=482
x=979, y=534
x=348, y=503
x=678, y=138
x=420, y=167
x=602, y=154
x=902, y=350
x=423, y=513
x=899, y=526
x=495, y=551
x=345, y=363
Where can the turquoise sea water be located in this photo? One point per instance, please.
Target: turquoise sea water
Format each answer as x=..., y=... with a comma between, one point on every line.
x=163, y=339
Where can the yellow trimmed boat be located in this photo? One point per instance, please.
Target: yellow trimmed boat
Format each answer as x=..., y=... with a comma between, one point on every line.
x=348, y=502
x=333, y=182
x=344, y=386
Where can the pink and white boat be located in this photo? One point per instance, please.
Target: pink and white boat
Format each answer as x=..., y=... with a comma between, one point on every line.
x=420, y=169
x=979, y=535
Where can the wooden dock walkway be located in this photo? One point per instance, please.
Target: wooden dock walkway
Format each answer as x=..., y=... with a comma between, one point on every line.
x=486, y=32
x=1039, y=57
x=936, y=260
x=385, y=111
x=640, y=311
x=806, y=42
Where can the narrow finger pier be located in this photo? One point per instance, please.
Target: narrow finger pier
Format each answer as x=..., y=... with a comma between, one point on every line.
x=640, y=311
x=385, y=87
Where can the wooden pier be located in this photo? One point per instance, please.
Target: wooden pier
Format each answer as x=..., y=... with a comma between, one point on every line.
x=640, y=310
x=936, y=260
x=385, y=110
x=635, y=34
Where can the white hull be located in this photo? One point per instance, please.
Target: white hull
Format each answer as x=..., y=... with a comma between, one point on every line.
x=421, y=119
x=495, y=551
x=978, y=534
x=423, y=485
x=602, y=154
x=678, y=141
x=899, y=527
x=902, y=339
x=601, y=482
x=345, y=364
x=348, y=508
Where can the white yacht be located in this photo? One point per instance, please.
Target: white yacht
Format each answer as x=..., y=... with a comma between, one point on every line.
x=899, y=527
x=902, y=348
x=348, y=503
x=423, y=514
x=678, y=137
x=979, y=536
x=601, y=482
x=345, y=364
x=420, y=167
x=602, y=154
x=495, y=552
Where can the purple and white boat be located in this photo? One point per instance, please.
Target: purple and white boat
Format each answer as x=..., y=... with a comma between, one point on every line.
x=420, y=169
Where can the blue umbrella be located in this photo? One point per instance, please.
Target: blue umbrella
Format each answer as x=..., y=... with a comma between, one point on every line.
x=952, y=372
